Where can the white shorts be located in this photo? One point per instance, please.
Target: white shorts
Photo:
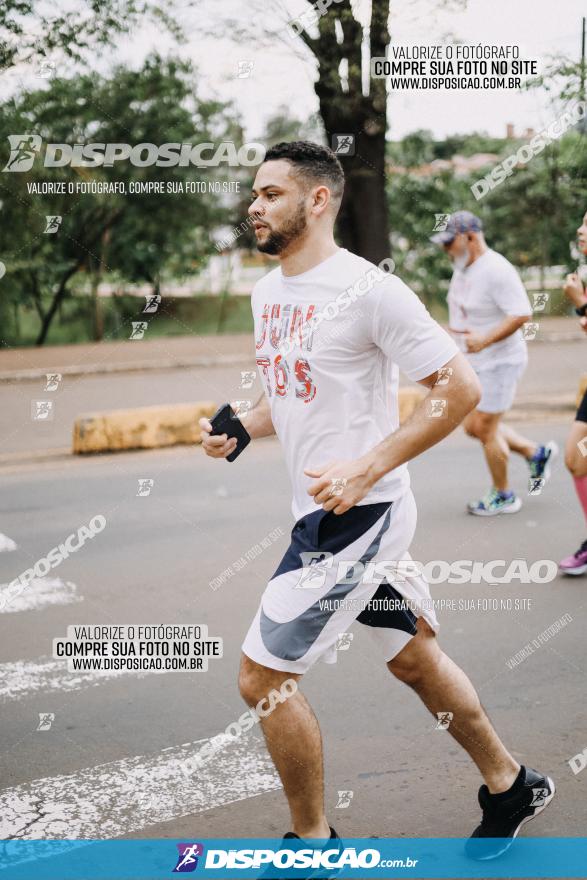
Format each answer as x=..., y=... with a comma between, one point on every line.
x=498, y=386
x=338, y=569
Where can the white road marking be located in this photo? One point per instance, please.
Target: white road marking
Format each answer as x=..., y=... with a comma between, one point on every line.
x=25, y=678
x=113, y=799
x=39, y=593
x=6, y=543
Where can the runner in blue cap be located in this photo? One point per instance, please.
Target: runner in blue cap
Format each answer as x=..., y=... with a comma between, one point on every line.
x=488, y=307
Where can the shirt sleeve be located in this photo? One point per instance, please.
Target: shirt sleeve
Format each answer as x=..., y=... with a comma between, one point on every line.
x=405, y=331
x=510, y=294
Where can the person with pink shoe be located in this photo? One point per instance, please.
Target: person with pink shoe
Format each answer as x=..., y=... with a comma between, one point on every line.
x=576, y=447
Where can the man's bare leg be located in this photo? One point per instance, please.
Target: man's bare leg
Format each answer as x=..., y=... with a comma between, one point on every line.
x=517, y=442
x=295, y=745
x=443, y=687
x=486, y=428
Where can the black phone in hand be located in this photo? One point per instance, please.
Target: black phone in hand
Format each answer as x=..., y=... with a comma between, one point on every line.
x=225, y=421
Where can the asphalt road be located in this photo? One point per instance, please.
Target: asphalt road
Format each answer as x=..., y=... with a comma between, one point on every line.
x=153, y=563
x=552, y=377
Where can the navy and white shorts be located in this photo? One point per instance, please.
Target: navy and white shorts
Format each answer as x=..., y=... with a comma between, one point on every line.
x=338, y=569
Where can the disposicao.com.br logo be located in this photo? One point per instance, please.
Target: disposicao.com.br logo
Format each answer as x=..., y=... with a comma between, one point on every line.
x=187, y=860
x=327, y=858
x=24, y=149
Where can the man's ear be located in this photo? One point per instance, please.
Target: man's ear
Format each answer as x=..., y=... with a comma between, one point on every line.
x=321, y=196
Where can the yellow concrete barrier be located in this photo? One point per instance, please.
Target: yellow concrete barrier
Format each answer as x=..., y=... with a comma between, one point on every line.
x=149, y=427
x=146, y=427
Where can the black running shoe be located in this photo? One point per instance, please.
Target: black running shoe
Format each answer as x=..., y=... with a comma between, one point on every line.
x=506, y=812
x=312, y=874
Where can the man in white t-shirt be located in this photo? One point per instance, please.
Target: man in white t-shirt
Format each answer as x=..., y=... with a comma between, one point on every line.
x=331, y=332
x=488, y=307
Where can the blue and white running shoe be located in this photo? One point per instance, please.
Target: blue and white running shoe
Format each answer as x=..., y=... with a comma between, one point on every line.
x=494, y=503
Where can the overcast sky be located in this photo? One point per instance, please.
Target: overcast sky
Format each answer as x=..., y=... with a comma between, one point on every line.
x=282, y=73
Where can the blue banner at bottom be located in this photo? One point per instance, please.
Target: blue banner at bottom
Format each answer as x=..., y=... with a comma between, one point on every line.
x=225, y=858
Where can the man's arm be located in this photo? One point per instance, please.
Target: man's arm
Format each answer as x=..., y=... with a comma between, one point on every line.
x=509, y=295
x=421, y=431
x=574, y=290
x=479, y=341
x=257, y=422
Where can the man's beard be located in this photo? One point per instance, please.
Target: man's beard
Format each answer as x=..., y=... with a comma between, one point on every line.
x=278, y=240
x=461, y=260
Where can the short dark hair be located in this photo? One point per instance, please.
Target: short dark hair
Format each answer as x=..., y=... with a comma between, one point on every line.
x=313, y=163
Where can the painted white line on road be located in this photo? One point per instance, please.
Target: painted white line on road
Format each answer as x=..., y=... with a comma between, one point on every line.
x=113, y=799
x=39, y=593
x=25, y=678
x=6, y=543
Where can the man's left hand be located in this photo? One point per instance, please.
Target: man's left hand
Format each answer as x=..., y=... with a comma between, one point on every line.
x=475, y=342
x=340, y=485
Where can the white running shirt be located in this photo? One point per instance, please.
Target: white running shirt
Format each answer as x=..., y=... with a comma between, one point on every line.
x=333, y=387
x=480, y=297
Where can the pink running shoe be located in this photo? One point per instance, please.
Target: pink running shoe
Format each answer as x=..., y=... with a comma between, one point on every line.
x=577, y=563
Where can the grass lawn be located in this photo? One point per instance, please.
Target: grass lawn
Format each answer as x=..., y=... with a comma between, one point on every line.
x=74, y=322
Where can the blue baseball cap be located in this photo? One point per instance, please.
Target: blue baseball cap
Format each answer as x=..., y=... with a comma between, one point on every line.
x=460, y=221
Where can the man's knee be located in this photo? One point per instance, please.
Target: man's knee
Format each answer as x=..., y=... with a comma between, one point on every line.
x=418, y=661
x=485, y=426
x=469, y=426
x=480, y=427
x=256, y=681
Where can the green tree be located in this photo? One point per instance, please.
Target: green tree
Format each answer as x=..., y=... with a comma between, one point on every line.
x=283, y=127
x=416, y=148
x=532, y=216
x=414, y=202
x=136, y=236
x=563, y=77
x=32, y=31
x=467, y=145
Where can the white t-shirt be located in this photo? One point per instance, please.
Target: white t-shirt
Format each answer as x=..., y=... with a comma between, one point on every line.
x=480, y=297
x=333, y=387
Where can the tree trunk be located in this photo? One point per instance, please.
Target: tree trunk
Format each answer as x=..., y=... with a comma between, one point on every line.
x=95, y=271
x=37, y=296
x=57, y=300
x=363, y=224
x=102, y=232
x=98, y=311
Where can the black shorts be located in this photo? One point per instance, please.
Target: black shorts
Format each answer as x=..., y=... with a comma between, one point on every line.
x=582, y=411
